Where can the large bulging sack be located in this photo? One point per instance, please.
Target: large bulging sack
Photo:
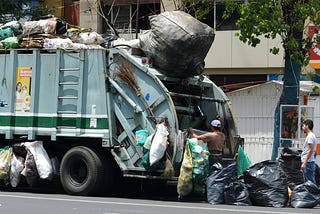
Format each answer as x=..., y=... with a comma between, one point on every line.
x=267, y=185
x=177, y=43
x=217, y=181
x=305, y=195
x=41, y=158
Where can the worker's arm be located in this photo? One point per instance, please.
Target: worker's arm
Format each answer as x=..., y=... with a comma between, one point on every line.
x=200, y=137
x=195, y=135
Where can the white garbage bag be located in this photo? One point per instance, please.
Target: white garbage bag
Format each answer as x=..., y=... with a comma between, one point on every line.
x=159, y=144
x=43, y=162
x=17, y=165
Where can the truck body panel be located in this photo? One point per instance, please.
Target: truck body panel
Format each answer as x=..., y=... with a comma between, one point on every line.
x=92, y=101
x=65, y=97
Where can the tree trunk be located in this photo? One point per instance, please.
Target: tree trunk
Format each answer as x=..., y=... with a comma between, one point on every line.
x=289, y=96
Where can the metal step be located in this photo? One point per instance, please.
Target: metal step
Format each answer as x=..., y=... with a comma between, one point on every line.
x=67, y=97
x=69, y=69
x=66, y=127
x=68, y=83
x=67, y=112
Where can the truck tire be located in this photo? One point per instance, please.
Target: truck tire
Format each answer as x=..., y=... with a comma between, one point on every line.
x=82, y=171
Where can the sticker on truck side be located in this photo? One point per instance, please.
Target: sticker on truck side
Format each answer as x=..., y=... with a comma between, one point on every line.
x=23, y=89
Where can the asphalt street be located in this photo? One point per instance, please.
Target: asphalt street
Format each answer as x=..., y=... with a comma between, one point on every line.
x=36, y=203
x=135, y=200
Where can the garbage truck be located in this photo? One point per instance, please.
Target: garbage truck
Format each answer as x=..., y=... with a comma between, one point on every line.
x=87, y=105
x=92, y=109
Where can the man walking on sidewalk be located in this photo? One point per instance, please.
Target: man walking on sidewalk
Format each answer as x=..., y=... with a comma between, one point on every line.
x=308, y=154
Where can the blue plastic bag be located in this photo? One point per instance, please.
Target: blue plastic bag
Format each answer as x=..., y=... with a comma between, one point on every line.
x=141, y=136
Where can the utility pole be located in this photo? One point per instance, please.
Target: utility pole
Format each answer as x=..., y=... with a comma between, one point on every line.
x=137, y=19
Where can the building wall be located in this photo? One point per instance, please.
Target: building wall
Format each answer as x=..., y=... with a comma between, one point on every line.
x=228, y=55
x=89, y=17
x=169, y=5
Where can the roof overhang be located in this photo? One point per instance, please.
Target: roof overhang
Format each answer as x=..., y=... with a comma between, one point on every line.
x=128, y=2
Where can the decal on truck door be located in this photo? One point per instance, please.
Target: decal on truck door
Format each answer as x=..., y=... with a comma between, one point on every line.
x=23, y=89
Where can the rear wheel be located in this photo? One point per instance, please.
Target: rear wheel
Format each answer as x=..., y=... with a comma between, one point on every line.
x=83, y=171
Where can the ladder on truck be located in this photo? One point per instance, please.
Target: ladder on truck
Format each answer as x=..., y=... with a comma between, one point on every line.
x=69, y=99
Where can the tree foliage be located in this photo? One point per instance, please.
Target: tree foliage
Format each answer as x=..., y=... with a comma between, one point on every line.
x=198, y=8
x=12, y=8
x=16, y=9
x=288, y=19
x=269, y=18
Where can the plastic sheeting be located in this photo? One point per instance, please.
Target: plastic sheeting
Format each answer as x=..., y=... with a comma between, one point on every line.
x=237, y=193
x=177, y=43
x=290, y=163
x=267, y=185
x=243, y=161
x=306, y=195
x=218, y=178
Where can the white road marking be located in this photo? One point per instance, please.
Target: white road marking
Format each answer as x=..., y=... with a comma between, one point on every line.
x=152, y=205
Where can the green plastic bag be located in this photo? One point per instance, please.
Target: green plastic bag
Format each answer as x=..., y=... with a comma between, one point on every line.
x=243, y=161
x=146, y=163
x=5, y=162
x=10, y=43
x=200, y=164
x=141, y=137
x=6, y=32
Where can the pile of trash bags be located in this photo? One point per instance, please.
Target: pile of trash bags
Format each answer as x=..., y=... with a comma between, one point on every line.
x=28, y=160
x=177, y=43
x=47, y=33
x=268, y=183
x=263, y=184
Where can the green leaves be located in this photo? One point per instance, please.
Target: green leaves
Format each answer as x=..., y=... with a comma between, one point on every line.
x=16, y=9
x=286, y=18
x=198, y=8
x=12, y=8
x=267, y=18
x=274, y=50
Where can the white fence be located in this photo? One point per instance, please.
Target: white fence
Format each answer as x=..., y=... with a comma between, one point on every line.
x=260, y=149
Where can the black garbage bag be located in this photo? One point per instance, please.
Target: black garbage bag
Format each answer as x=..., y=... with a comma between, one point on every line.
x=30, y=170
x=19, y=149
x=266, y=183
x=177, y=43
x=217, y=179
x=61, y=27
x=236, y=193
x=317, y=175
x=290, y=163
x=306, y=195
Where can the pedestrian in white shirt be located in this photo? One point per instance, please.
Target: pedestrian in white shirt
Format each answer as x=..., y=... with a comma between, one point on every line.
x=308, y=154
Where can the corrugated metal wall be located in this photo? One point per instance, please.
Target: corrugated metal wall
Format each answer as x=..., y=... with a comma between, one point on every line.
x=254, y=109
